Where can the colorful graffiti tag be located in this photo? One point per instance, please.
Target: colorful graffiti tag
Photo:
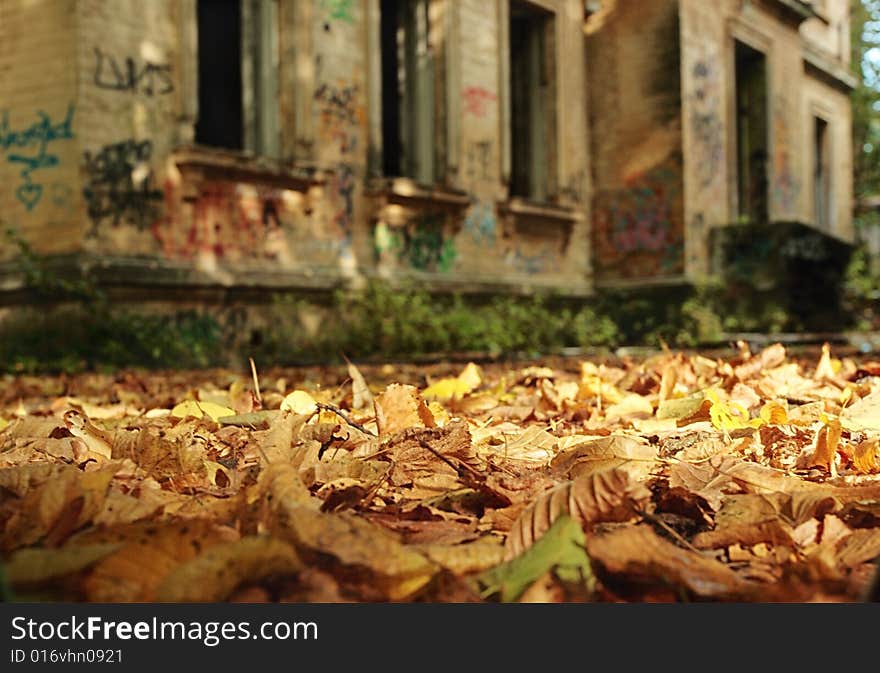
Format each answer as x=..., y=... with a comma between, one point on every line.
x=229, y=222
x=638, y=228
x=422, y=244
x=30, y=148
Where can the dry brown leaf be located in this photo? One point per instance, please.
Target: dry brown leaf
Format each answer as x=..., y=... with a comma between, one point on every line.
x=770, y=357
x=639, y=554
x=581, y=458
x=747, y=520
x=467, y=558
x=149, y=554
x=706, y=479
x=866, y=457
x=401, y=407
x=825, y=369
x=58, y=507
x=276, y=445
x=533, y=443
x=214, y=575
x=863, y=414
x=37, y=565
x=858, y=547
x=362, y=397
x=826, y=444
x=399, y=571
x=609, y=495
x=631, y=406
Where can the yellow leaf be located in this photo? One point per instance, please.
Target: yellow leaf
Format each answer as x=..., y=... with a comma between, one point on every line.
x=3, y=423
x=472, y=375
x=447, y=389
x=300, y=402
x=197, y=409
x=450, y=388
x=729, y=415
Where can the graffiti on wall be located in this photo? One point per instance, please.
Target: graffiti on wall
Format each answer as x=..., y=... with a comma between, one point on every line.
x=480, y=222
x=638, y=228
x=230, y=222
x=706, y=122
x=120, y=186
x=339, y=10
x=531, y=260
x=147, y=78
x=422, y=244
x=476, y=100
x=31, y=149
x=786, y=186
x=341, y=116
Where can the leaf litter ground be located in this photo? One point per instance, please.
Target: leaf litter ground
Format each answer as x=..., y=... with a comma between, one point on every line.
x=674, y=477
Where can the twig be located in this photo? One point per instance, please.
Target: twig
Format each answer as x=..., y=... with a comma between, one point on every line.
x=460, y=469
x=256, y=381
x=669, y=529
x=345, y=417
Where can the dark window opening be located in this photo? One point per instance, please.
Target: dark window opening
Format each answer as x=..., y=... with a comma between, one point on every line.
x=821, y=175
x=408, y=133
x=219, y=122
x=531, y=100
x=751, y=134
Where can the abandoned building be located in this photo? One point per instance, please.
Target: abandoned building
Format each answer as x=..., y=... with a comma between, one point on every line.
x=246, y=145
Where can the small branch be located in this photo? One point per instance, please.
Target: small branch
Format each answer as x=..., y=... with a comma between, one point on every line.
x=256, y=381
x=345, y=417
x=669, y=529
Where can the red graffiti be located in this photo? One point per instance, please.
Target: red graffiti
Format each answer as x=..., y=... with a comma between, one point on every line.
x=476, y=100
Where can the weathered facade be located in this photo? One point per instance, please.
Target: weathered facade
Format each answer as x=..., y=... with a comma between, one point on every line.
x=470, y=144
x=710, y=114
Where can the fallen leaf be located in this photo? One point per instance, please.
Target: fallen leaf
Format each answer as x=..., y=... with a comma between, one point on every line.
x=631, y=405
x=560, y=548
x=213, y=575
x=865, y=456
x=38, y=565
x=609, y=495
x=863, y=414
x=638, y=554
x=299, y=402
x=149, y=552
x=398, y=570
x=400, y=407
x=582, y=457
x=362, y=397
x=197, y=409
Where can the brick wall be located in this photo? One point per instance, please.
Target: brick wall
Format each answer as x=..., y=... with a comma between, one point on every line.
x=39, y=118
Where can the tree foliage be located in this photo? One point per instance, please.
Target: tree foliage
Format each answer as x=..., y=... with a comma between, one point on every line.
x=866, y=97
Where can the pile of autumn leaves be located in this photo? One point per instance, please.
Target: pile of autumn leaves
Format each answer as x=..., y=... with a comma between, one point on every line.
x=674, y=478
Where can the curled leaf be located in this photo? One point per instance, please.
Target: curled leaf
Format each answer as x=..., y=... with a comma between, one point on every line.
x=609, y=495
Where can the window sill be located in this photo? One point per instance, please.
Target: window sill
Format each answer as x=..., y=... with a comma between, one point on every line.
x=216, y=163
x=523, y=209
x=406, y=192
